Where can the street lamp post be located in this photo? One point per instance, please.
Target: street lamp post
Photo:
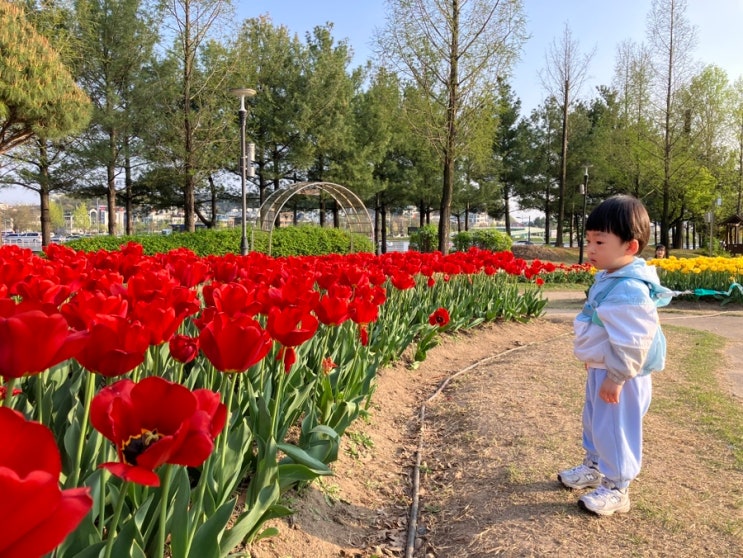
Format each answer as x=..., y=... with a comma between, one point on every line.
x=584, y=191
x=243, y=114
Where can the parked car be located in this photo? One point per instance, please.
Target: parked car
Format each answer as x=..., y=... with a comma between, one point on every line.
x=30, y=237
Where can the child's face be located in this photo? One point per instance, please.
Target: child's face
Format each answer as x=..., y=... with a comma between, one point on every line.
x=607, y=251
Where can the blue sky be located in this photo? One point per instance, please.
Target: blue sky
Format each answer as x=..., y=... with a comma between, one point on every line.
x=602, y=24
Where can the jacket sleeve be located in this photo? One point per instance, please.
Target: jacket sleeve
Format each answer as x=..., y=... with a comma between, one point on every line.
x=631, y=321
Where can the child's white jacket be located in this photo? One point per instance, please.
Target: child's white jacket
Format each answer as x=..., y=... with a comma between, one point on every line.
x=626, y=340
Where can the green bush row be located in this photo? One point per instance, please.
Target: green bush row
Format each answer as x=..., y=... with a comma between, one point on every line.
x=426, y=239
x=287, y=241
x=484, y=239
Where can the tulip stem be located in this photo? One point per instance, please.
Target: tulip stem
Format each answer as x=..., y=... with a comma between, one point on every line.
x=164, y=499
x=89, y=392
x=40, y=398
x=102, y=502
x=9, y=385
x=111, y=534
x=231, y=384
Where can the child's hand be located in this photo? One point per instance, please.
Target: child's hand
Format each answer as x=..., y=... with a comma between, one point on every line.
x=609, y=391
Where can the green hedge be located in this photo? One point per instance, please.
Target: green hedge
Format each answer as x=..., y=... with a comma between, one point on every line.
x=425, y=239
x=286, y=241
x=485, y=239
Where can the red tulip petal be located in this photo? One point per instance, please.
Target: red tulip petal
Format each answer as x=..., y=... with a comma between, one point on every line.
x=61, y=519
x=162, y=404
x=27, y=446
x=101, y=408
x=137, y=475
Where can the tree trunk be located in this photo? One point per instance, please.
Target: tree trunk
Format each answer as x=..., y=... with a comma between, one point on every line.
x=46, y=218
x=129, y=206
x=383, y=217
x=111, y=187
x=563, y=164
x=189, y=199
x=451, y=132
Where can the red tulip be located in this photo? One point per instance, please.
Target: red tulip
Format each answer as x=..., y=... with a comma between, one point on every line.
x=85, y=306
x=184, y=348
x=403, y=281
x=333, y=307
x=155, y=422
x=363, y=311
x=439, y=318
x=32, y=341
x=332, y=310
x=35, y=514
x=291, y=326
x=40, y=289
x=232, y=298
x=114, y=346
x=234, y=343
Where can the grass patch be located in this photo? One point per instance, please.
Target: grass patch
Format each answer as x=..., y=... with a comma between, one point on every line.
x=698, y=393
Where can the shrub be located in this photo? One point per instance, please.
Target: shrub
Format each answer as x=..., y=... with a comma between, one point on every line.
x=287, y=241
x=484, y=239
x=425, y=239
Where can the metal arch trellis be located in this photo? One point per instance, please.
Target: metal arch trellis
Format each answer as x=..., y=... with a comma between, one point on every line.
x=351, y=208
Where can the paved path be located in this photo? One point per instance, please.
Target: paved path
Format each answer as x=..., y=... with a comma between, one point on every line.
x=707, y=316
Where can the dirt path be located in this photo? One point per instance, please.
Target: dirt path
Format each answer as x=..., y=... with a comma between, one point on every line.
x=501, y=414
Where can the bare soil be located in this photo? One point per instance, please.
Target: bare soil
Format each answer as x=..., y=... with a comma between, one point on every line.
x=487, y=420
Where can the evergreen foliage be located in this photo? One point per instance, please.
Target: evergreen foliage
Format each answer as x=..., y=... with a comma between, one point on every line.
x=38, y=96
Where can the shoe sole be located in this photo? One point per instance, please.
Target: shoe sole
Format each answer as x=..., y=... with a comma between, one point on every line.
x=576, y=486
x=602, y=513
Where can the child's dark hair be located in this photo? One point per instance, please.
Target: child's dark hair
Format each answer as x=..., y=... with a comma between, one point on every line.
x=624, y=216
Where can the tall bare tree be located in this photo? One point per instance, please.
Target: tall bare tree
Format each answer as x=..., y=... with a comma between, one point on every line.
x=671, y=39
x=736, y=123
x=193, y=24
x=562, y=77
x=453, y=50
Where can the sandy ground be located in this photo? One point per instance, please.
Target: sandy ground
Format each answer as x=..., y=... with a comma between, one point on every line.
x=474, y=475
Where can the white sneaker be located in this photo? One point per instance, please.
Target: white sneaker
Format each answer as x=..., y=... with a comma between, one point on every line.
x=607, y=499
x=585, y=475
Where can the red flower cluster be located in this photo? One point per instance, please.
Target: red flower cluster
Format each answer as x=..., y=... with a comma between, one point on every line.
x=155, y=422
x=107, y=308
x=35, y=514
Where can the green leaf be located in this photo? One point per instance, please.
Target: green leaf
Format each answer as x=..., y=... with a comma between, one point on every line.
x=292, y=473
x=266, y=533
x=125, y=540
x=181, y=525
x=206, y=541
x=92, y=551
x=249, y=522
x=302, y=457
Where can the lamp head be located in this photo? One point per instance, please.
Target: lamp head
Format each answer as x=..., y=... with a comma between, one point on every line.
x=242, y=92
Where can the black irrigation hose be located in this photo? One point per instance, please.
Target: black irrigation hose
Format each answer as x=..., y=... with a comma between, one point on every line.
x=413, y=515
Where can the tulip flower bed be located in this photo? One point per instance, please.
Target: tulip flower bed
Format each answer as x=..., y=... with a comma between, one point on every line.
x=143, y=394
x=716, y=274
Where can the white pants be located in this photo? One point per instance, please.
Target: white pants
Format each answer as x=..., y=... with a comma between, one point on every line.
x=612, y=433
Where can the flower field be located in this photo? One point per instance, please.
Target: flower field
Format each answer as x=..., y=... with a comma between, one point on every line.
x=143, y=394
x=706, y=273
